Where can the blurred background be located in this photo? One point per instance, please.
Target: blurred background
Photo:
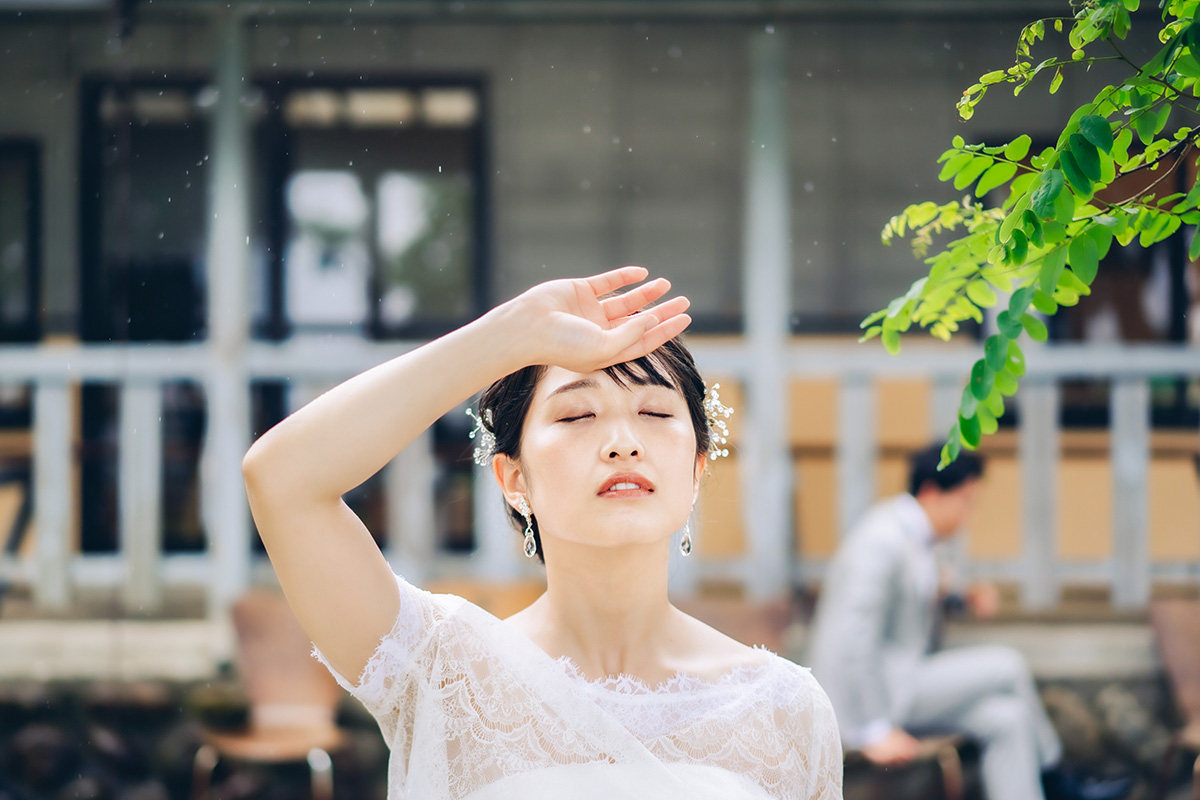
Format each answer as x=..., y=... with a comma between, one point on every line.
x=211, y=212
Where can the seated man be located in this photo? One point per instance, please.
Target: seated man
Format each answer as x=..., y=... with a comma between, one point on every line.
x=871, y=639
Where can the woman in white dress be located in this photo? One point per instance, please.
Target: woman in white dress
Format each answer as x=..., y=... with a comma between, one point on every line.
x=601, y=688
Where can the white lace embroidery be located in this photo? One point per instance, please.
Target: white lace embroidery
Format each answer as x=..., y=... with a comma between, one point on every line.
x=465, y=702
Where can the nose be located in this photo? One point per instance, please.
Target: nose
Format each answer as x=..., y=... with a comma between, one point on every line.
x=623, y=442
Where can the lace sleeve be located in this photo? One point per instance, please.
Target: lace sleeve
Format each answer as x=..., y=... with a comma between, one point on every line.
x=386, y=680
x=825, y=766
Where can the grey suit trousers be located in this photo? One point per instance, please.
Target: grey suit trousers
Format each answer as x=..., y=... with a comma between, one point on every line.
x=988, y=693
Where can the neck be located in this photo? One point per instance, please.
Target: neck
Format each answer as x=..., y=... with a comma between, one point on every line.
x=607, y=608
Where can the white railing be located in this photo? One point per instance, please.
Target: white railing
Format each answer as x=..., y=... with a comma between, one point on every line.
x=142, y=571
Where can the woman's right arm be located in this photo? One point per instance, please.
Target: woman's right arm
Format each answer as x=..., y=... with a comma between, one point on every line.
x=336, y=580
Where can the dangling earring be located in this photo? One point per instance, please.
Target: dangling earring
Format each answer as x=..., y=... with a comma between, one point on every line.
x=685, y=543
x=530, y=542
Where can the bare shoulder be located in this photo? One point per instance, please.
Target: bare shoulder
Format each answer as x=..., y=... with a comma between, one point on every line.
x=709, y=654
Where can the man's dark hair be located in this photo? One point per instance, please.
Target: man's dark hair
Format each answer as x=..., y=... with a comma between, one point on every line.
x=923, y=468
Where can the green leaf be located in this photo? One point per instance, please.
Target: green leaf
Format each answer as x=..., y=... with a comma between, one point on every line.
x=1014, y=216
x=1018, y=148
x=1120, y=149
x=1035, y=328
x=1064, y=206
x=981, y=294
x=997, y=175
x=1097, y=131
x=982, y=378
x=1033, y=226
x=1052, y=266
x=970, y=430
x=1102, y=235
x=951, y=449
x=1066, y=296
x=871, y=333
x=1075, y=175
x=995, y=403
x=1070, y=280
x=1042, y=200
x=971, y=172
x=1144, y=123
x=995, y=351
x=891, y=340
x=875, y=317
x=1015, y=363
x=987, y=423
x=1086, y=156
x=1084, y=258
x=1006, y=383
x=1044, y=303
x=1008, y=325
x=969, y=404
x=1194, y=247
x=1056, y=81
x=1019, y=249
x=1020, y=301
x=954, y=166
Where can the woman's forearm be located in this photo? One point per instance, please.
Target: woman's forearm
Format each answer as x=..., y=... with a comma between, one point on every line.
x=346, y=435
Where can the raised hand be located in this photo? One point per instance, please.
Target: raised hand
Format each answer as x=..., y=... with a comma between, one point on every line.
x=571, y=324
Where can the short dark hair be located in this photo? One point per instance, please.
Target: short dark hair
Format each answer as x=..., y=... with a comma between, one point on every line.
x=923, y=468
x=506, y=402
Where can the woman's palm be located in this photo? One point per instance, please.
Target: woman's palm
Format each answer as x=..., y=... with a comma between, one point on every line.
x=579, y=328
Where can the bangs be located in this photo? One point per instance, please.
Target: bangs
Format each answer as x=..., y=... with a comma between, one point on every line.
x=649, y=370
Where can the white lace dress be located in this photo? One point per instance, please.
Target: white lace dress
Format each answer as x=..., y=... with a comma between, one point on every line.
x=472, y=709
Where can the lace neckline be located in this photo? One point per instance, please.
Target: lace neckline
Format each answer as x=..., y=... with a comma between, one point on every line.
x=680, y=683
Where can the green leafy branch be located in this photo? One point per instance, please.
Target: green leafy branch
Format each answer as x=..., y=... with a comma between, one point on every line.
x=1043, y=245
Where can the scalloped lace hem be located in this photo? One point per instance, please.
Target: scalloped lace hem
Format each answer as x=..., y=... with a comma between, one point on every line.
x=680, y=682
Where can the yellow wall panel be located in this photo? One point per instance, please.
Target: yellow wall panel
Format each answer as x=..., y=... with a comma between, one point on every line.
x=892, y=475
x=1174, y=510
x=718, y=510
x=1085, y=509
x=902, y=409
x=813, y=413
x=817, y=534
x=994, y=531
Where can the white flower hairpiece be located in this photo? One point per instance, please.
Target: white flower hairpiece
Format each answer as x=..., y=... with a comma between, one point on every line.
x=715, y=414
x=485, y=440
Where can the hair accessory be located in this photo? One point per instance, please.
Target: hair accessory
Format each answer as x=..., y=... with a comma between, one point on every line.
x=715, y=413
x=530, y=545
x=485, y=440
x=685, y=544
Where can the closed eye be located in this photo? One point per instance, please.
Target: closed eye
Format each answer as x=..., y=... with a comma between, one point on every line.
x=574, y=418
x=657, y=414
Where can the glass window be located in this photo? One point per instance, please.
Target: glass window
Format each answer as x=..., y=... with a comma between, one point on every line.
x=19, y=241
x=380, y=194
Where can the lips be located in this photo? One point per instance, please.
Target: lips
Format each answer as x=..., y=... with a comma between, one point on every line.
x=627, y=484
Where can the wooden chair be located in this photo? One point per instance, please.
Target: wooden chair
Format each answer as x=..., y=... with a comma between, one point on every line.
x=293, y=699
x=1176, y=624
x=941, y=751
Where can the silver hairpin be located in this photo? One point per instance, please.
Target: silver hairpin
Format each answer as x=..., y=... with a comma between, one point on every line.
x=715, y=413
x=485, y=440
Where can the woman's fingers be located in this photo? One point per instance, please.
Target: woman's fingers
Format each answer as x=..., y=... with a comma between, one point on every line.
x=650, y=338
x=627, y=303
x=665, y=310
x=614, y=279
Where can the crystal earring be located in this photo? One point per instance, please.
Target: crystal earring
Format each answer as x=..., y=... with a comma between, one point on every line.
x=530, y=543
x=685, y=543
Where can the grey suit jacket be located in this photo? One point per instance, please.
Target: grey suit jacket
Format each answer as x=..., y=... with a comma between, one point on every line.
x=873, y=621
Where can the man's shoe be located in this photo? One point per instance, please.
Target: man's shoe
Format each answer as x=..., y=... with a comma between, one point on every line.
x=1066, y=784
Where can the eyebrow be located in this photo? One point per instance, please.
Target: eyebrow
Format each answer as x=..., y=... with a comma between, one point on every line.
x=584, y=383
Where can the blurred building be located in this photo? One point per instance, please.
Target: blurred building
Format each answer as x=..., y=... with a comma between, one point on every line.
x=210, y=212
